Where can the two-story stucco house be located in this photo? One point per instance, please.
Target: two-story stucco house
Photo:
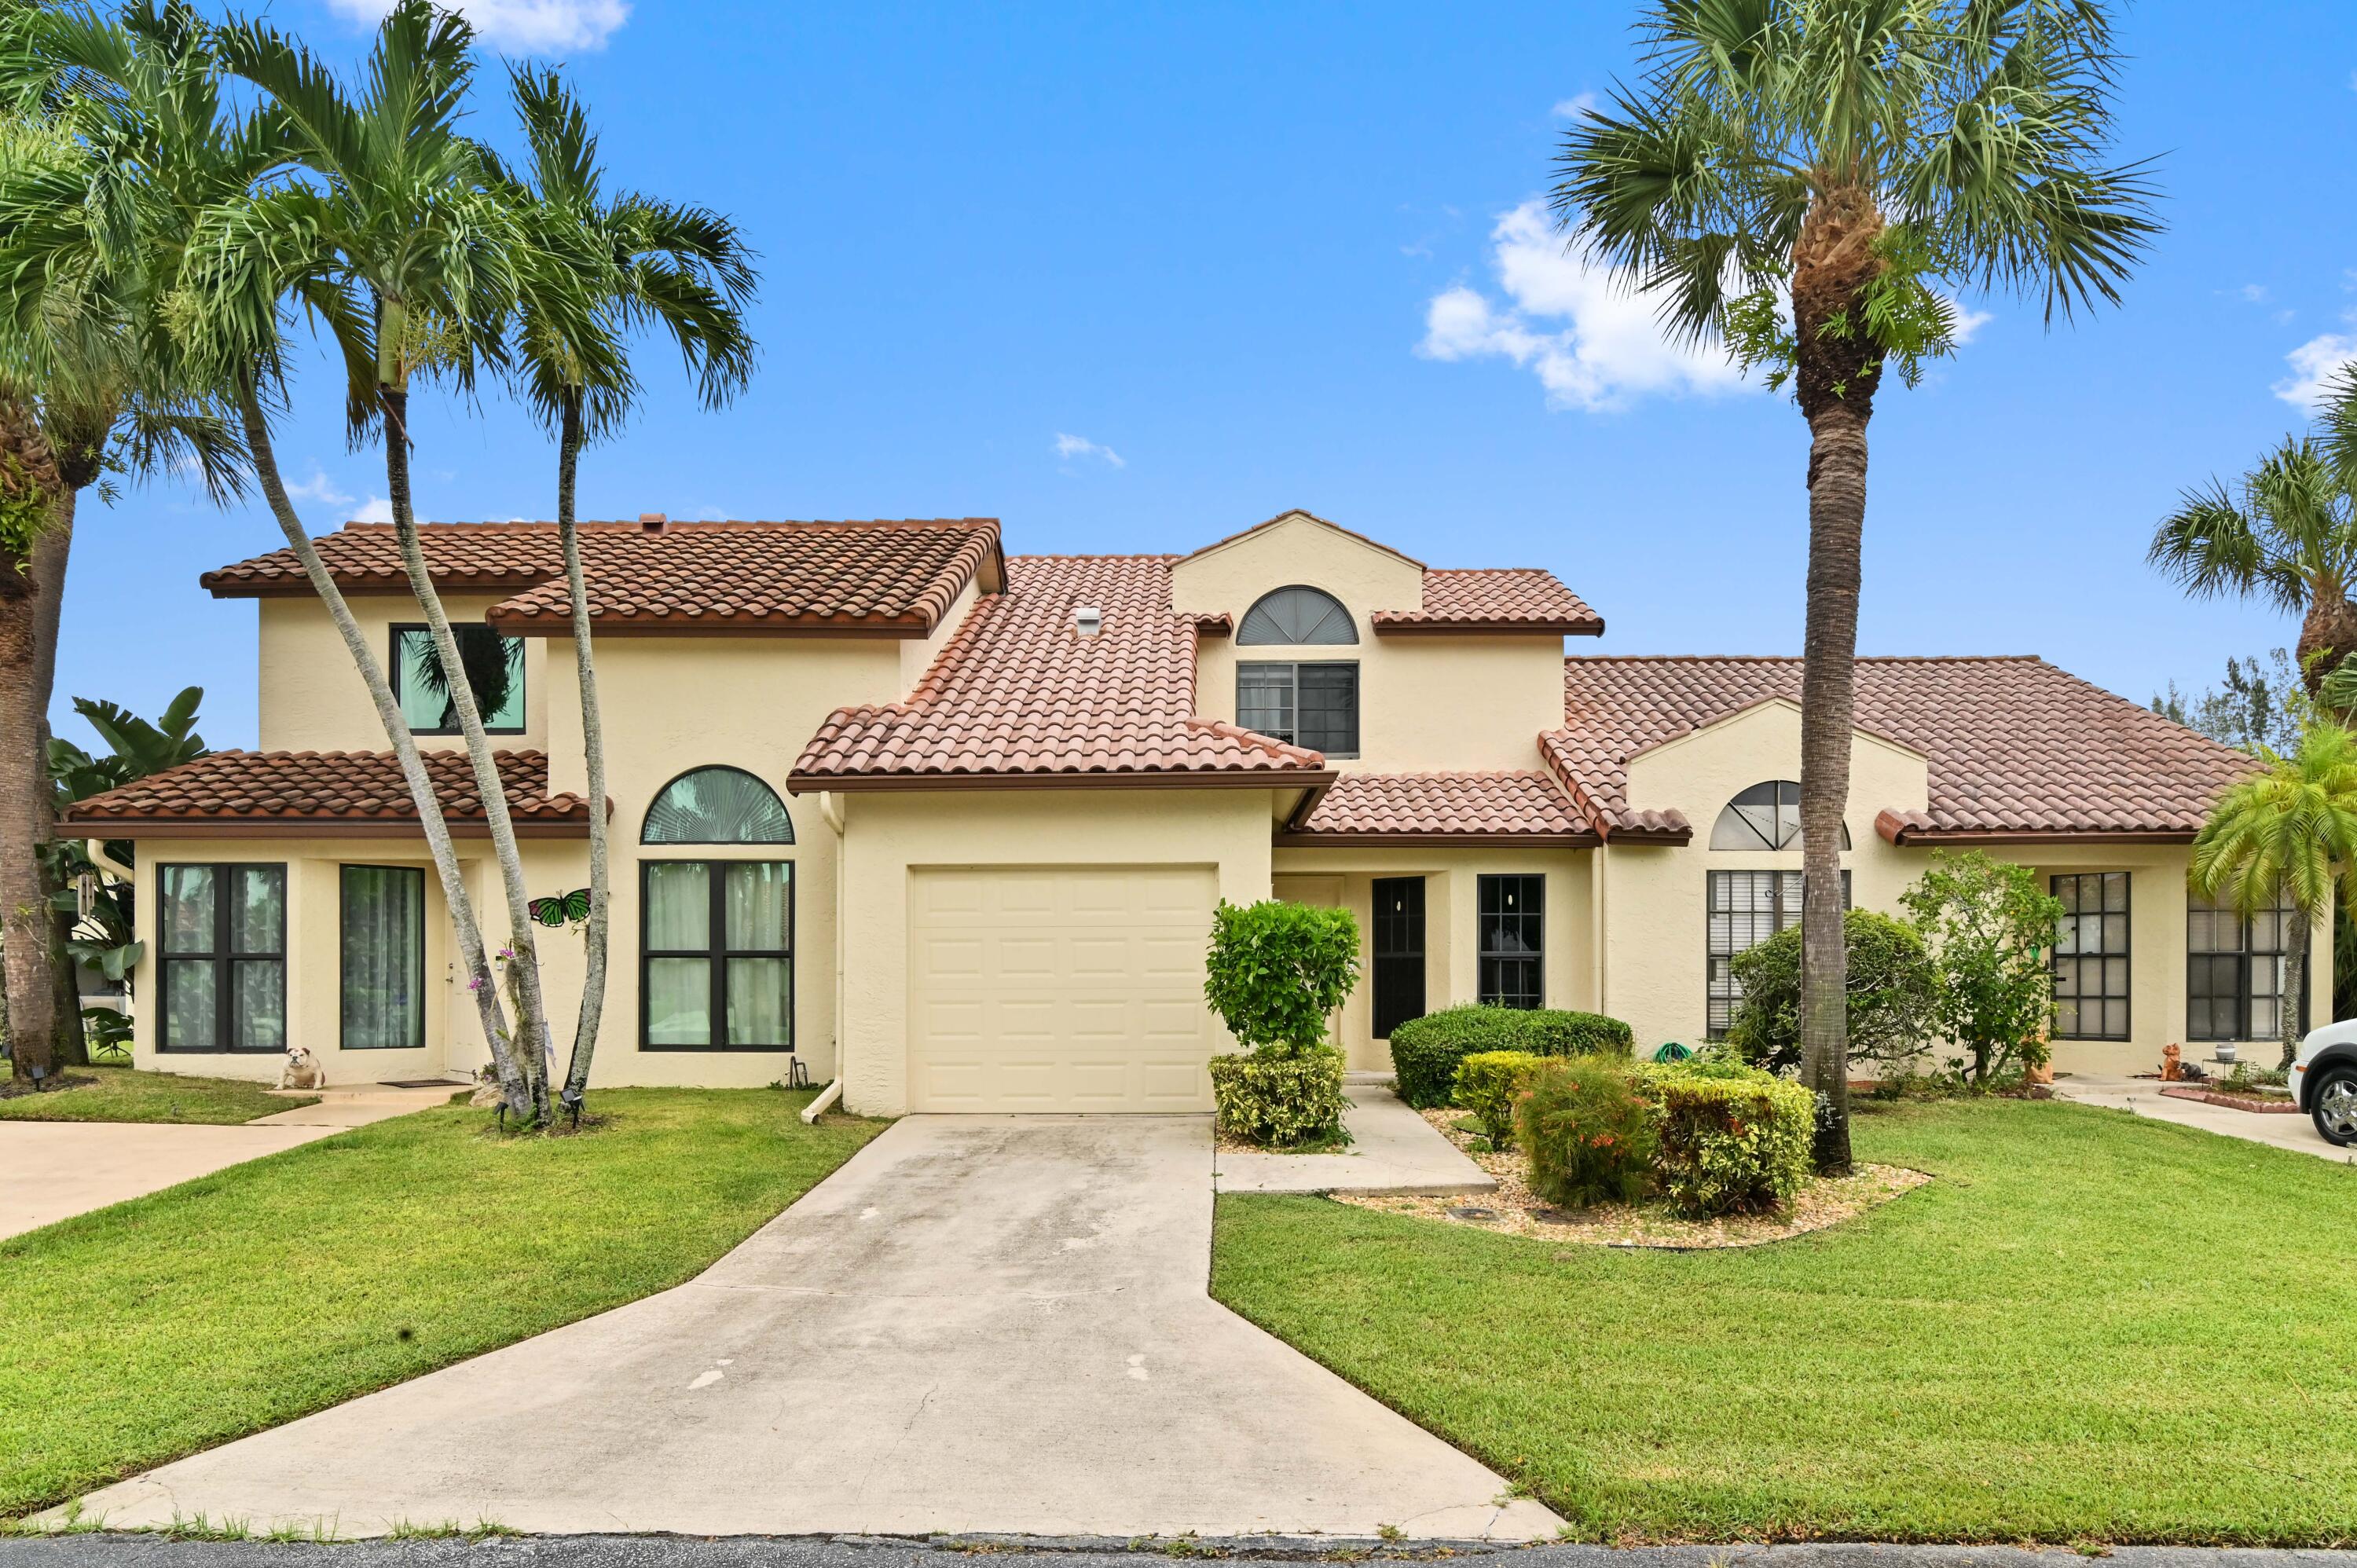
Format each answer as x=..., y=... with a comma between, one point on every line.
x=951, y=824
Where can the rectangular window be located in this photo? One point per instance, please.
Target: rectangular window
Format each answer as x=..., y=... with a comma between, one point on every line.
x=717, y=966
x=1398, y=952
x=494, y=671
x=1512, y=945
x=384, y=963
x=221, y=941
x=2234, y=973
x=1746, y=908
x=2091, y=957
x=1316, y=706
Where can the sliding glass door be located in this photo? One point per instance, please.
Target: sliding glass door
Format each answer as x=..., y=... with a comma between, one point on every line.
x=383, y=958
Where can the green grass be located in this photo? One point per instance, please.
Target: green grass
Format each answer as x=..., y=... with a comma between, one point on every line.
x=272, y=1289
x=121, y=1095
x=2091, y=1327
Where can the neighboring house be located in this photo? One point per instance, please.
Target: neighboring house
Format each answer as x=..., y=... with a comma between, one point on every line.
x=951, y=824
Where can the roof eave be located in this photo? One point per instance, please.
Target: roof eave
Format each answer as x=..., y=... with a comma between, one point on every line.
x=1294, y=839
x=800, y=783
x=158, y=827
x=1551, y=626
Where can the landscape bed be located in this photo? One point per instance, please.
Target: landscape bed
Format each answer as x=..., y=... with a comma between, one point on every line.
x=2000, y=1357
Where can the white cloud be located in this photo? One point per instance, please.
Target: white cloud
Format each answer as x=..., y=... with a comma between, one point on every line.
x=1577, y=104
x=318, y=488
x=376, y=509
x=1968, y=320
x=1071, y=446
x=1610, y=348
x=525, y=25
x=2314, y=363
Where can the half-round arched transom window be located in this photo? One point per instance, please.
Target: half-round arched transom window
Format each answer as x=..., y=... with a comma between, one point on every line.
x=1766, y=816
x=1297, y=617
x=717, y=805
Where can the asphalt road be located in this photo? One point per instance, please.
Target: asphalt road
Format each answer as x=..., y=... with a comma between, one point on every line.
x=106, y=1551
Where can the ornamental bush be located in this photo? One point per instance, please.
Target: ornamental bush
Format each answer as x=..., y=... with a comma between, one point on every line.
x=1891, y=984
x=1730, y=1143
x=1279, y=1099
x=1488, y=1084
x=1588, y=1132
x=1425, y=1051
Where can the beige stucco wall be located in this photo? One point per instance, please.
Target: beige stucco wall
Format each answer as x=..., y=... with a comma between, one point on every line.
x=1426, y=704
x=891, y=833
x=1346, y=877
x=311, y=696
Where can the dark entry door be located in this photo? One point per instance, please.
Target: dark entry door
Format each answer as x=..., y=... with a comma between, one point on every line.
x=1398, y=952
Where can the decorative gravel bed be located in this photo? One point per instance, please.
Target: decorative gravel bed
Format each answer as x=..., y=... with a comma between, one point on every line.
x=1515, y=1210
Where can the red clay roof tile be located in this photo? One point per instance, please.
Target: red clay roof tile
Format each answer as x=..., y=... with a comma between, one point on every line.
x=1515, y=598
x=323, y=791
x=1524, y=806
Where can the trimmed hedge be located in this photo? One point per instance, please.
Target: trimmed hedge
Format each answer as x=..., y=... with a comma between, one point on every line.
x=1276, y=1100
x=1730, y=1142
x=1488, y=1084
x=1588, y=1132
x=1425, y=1051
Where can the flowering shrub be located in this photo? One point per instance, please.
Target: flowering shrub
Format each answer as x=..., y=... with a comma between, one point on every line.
x=1588, y=1132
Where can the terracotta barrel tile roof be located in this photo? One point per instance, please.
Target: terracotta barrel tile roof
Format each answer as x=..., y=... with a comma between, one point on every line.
x=686, y=577
x=1524, y=806
x=1504, y=600
x=325, y=790
x=1019, y=696
x=2015, y=746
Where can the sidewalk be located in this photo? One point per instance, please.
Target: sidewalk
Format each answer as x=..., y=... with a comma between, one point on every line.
x=2143, y=1096
x=1393, y=1152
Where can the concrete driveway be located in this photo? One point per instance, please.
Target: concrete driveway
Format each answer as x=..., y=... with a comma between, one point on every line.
x=2143, y=1096
x=984, y=1324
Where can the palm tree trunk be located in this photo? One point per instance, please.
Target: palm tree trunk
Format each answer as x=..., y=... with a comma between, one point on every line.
x=593, y=743
x=49, y=553
x=2328, y=634
x=532, y=1013
x=479, y=978
x=25, y=925
x=2295, y=983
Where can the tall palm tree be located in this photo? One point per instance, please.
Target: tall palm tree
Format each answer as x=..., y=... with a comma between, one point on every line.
x=2286, y=838
x=395, y=238
x=682, y=270
x=1807, y=181
x=2286, y=533
x=96, y=386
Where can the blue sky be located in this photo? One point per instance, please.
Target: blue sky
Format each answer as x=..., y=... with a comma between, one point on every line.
x=1233, y=258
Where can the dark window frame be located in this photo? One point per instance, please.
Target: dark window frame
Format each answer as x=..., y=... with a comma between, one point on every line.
x=394, y=666
x=1782, y=914
x=2243, y=959
x=1393, y=965
x=343, y=974
x=1358, y=707
x=223, y=956
x=2125, y=995
x=718, y=953
x=1244, y=638
x=1490, y=987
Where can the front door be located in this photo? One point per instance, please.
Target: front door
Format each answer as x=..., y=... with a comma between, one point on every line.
x=1398, y=952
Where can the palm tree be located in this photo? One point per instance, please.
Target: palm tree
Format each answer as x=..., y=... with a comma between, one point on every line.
x=95, y=388
x=683, y=271
x=2286, y=533
x=394, y=238
x=2285, y=839
x=1806, y=181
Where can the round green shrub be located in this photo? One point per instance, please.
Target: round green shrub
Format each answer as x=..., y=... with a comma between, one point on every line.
x=1425, y=1051
x=1587, y=1132
x=1488, y=1084
x=1278, y=1099
x=1892, y=986
x=1275, y=971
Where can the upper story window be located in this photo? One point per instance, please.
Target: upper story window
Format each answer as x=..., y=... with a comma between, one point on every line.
x=1299, y=616
x=1766, y=816
x=494, y=668
x=717, y=805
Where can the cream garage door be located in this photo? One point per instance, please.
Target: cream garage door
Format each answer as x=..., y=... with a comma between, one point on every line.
x=1055, y=988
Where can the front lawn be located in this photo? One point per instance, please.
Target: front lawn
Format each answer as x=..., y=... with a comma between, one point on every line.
x=278, y=1288
x=2091, y=1326
x=119, y=1094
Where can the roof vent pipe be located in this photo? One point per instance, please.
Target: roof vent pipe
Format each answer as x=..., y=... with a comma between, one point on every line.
x=654, y=522
x=1087, y=620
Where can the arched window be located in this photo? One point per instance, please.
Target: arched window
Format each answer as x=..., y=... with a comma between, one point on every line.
x=1766, y=816
x=717, y=805
x=1297, y=617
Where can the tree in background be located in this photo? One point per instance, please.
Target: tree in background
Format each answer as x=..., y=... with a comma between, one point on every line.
x=1890, y=981
x=2260, y=705
x=1989, y=929
x=2285, y=838
x=1807, y=180
x=648, y=263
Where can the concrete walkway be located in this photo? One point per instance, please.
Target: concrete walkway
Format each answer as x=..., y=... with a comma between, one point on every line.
x=2143, y=1096
x=979, y=1322
x=53, y=1170
x=1393, y=1151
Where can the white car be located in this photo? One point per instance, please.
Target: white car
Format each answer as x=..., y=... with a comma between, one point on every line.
x=2324, y=1080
